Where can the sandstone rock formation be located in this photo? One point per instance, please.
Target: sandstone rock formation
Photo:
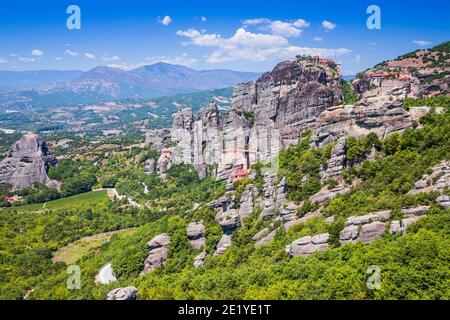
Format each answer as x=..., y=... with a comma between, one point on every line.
x=415, y=211
x=308, y=245
x=400, y=227
x=444, y=201
x=337, y=161
x=223, y=245
x=27, y=163
x=438, y=180
x=266, y=239
x=267, y=115
x=128, y=293
x=196, y=234
x=157, y=256
x=364, y=228
x=150, y=166
x=200, y=259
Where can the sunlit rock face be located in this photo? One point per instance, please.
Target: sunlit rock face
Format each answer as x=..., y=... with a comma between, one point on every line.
x=273, y=112
x=267, y=116
x=27, y=163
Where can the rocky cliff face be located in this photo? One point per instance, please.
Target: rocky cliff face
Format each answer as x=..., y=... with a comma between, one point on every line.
x=271, y=113
x=267, y=115
x=27, y=163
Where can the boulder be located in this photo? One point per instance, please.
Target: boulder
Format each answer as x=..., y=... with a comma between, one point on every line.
x=195, y=230
x=369, y=232
x=308, y=245
x=365, y=233
x=157, y=256
x=223, y=245
x=162, y=240
x=200, y=259
x=128, y=293
x=265, y=240
x=150, y=166
x=230, y=221
x=261, y=234
x=444, y=201
x=417, y=211
x=196, y=234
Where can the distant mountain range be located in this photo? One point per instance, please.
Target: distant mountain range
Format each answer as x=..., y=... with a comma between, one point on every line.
x=50, y=88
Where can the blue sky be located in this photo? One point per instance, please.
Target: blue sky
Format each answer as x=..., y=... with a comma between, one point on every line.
x=242, y=35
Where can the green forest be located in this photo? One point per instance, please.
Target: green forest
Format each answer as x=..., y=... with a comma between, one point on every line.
x=413, y=266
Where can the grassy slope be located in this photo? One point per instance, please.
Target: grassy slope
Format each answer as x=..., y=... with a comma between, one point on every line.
x=82, y=200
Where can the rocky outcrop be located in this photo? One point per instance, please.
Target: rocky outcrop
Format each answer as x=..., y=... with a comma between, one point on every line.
x=266, y=239
x=365, y=233
x=336, y=163
x=248, y=198
x=150, y=166
x=27, y=163
x=223, y=245
x=267, y=115
x=415, y=211
x=229, y=221
x=200, y=259
x=444, y=201
x=328, y=194
x=196, y=234
x=128, y=293
x=438, y=180
x=289, y=211
x=400, y=227
x=224, y=203
x=157, y=256
x=310, y=215
x=365, y=228
x=271, y=113
x=308, y=245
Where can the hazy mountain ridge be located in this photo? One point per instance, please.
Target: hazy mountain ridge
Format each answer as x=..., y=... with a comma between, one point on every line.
x=106, y=83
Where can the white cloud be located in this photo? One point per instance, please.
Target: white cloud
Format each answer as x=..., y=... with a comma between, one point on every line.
x=318, y=39
x=165, y=21
x=71, y=53
x=13, y=55
x=328, y=25
x=203, y=19
x=108, y=57
x=255, y=22
x=3, y=61
x=422, y=43
x=27, y=59
x=245, y=45
x=37, y=53
x=284, y=29
x=89, y=55
x=182, y=60
x=300, y=23
x=278, y=27
x=58, y=58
